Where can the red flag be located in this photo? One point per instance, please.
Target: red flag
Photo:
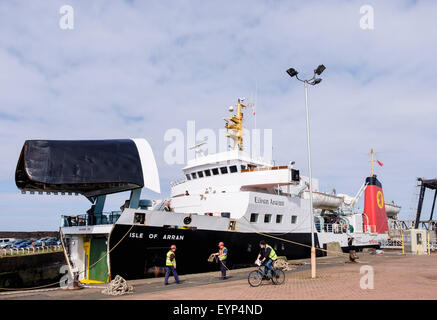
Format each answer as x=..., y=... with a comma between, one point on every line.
x=380, y=163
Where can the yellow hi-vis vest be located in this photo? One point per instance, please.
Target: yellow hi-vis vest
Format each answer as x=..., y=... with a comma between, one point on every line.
x=223, y=256
x=272, y=254
x=168, y=262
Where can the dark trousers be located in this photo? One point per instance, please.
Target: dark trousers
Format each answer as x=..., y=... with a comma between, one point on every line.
x=167, y=274
x=223, y=267
x=268, y=266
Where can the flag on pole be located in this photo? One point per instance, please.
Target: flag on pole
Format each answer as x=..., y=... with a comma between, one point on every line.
x=380, y=163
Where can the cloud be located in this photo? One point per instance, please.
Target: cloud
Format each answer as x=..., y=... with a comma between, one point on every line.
x=136, y=69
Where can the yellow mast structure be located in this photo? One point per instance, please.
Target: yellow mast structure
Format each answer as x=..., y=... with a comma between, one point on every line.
x=235, y=124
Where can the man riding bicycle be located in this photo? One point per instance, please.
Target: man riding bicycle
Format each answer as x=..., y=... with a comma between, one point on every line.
x=269, y=256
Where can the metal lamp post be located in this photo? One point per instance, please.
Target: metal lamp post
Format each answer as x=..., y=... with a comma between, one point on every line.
x=313, y=81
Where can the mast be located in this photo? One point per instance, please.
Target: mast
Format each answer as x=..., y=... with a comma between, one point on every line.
x=235, y=124
x=371, y=162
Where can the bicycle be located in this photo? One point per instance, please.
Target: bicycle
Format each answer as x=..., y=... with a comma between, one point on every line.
x=256, y=277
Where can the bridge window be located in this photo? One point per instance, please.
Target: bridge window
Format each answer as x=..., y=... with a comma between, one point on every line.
x=226, y=214
x=233, y=169
x=267, y=218
x=215, y=171
x=243, y=167
x=279, y=218
x=293, y=219
x=200, y=174
x=208, y=173
x=188, y=177
x=224, y=170
x=194, y=175
x=254, y=217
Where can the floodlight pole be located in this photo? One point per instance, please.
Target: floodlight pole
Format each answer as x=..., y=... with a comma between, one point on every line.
x=291, y=72
x=313, y=249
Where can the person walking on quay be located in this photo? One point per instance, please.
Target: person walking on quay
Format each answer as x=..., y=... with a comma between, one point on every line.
x=222, y=256
x=170, y=265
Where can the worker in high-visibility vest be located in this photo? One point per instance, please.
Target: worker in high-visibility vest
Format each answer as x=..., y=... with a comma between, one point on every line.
x=170, y=265
x=222, y=256
x=268, y=255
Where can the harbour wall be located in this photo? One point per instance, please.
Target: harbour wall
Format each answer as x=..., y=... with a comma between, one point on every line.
x=30, y=270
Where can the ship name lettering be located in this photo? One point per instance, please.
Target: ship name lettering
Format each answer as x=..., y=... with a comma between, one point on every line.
x=136, y=235
x=172, y=237
x=271, y=202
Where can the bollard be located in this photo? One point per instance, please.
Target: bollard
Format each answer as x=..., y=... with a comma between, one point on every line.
x=403, y=247
x=429, y=247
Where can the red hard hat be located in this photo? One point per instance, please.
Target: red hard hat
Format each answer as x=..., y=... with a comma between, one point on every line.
x=173, y=246
x=221, y=244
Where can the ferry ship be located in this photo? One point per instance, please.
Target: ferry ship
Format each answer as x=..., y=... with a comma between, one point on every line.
x=228, y=196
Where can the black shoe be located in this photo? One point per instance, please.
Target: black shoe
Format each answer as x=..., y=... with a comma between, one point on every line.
x=166, y=284
x=178, y=282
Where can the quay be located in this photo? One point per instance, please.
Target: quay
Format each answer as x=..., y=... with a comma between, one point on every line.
x=396, y=276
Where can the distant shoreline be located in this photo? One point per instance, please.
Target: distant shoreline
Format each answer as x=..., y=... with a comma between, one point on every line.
x=28, y=234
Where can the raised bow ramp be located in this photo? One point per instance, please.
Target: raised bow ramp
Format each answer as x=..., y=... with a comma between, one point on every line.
x=87, y=167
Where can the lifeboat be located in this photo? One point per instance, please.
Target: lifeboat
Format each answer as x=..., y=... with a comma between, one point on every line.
x=323, y=200
x=391, y=209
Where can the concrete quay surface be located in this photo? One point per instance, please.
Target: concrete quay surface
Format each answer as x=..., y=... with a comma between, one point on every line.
x=395, y=276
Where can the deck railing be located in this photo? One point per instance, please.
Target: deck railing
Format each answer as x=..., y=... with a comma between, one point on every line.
x=90, y=219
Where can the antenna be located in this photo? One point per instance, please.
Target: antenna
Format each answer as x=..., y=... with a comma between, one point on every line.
x=197, y=149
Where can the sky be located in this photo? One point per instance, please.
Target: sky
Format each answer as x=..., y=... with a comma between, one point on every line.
x=135, y=69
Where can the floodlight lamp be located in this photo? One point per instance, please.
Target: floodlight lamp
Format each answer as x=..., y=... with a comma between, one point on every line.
x=292, y=72
x=320, y=69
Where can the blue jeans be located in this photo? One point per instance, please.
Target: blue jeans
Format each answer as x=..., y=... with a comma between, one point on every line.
x=223, y=267
x=268, y=266
x=167, y=274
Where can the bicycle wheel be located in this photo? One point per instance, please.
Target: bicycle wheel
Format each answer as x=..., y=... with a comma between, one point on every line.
x=279, y=277
x=255, y=278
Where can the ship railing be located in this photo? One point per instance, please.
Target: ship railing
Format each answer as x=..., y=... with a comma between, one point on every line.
x=391, y=243
x=265, y=169
x=175, y=183
x=331, y=228
x=370, y=228
x=90, y=219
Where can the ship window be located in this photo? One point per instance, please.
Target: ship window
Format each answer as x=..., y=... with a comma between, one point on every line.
x=267, y=218
x=254, y=217
x=215, y=171
x=140, y=218
x=233, y=169
x=293, y=219
x=194, y=175
x=226, y=214
x=224, y=170
x=279, y=218
x=188, y=177
x=243, y=167
x=208, y=173
x=200, y=174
